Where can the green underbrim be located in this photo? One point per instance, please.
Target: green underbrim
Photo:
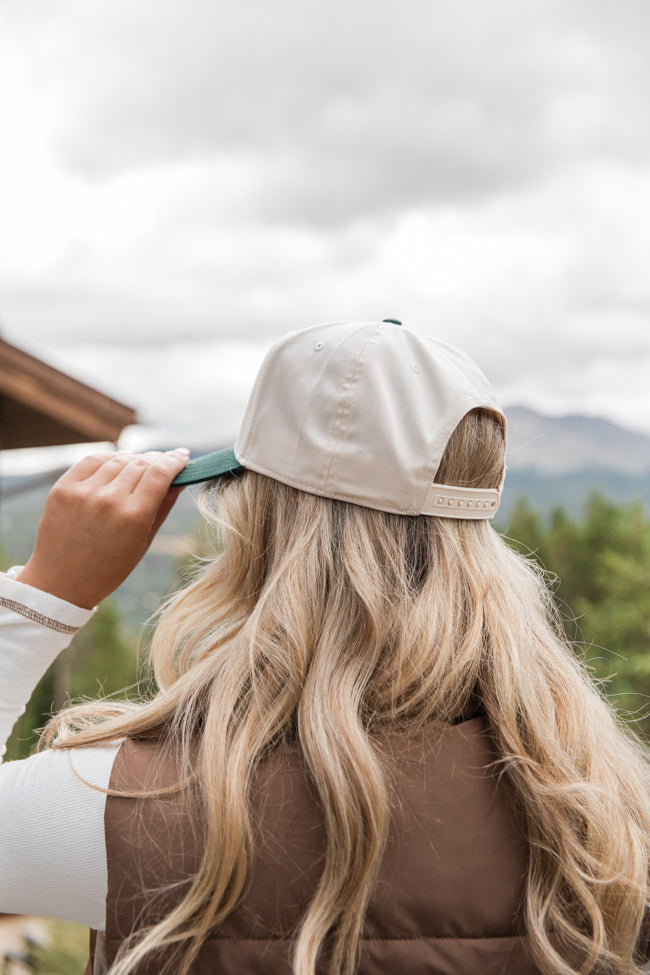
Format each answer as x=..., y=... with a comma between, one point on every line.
x=207, y=467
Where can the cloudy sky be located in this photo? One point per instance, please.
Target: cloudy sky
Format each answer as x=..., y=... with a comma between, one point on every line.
x=185, y=180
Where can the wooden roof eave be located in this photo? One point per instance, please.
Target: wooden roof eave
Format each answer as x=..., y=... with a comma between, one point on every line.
x=78, y=412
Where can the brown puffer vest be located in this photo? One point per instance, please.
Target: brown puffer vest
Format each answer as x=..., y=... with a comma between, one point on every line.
x=450, y=892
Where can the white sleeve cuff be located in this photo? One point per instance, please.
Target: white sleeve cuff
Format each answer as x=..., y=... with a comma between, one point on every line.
x=34, y=628
x=50, y=608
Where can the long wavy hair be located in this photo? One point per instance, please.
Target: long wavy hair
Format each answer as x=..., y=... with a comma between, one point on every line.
x=330, y=623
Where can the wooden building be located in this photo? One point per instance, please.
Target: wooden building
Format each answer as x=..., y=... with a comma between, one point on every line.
x=42, y=407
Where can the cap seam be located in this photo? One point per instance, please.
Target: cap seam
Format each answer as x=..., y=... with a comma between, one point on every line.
x=342, y=413
x=467, y=377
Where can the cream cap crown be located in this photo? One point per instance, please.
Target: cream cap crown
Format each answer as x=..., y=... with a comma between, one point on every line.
x=361, y=412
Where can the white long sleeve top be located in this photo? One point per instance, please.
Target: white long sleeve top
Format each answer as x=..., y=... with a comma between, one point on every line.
x=52, y=847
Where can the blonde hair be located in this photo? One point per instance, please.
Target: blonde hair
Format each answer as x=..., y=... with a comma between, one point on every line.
x=331, y=622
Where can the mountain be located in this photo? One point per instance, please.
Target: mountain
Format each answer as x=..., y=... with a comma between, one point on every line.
x=555, y=461
x=568, y=444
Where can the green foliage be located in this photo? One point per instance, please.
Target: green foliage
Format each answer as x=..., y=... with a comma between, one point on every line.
x=99, y=661
x=66, y=954
x=602, y=564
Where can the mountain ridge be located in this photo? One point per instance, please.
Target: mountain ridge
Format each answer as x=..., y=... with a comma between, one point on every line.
x=572, y=443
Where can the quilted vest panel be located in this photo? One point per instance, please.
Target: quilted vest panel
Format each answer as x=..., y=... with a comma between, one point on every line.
x=450, y=891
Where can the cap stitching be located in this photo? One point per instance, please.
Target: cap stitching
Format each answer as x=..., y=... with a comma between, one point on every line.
x=339, y=425
x=469, y=379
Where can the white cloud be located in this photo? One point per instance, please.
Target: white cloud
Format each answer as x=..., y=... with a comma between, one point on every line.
x=176, y=176
x=188, y=390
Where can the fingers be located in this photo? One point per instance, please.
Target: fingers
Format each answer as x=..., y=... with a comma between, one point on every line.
x=116, y=466
x=88, y=466
x=136, y=484
x=153, y=485
x=124, y=470
x=98, y=522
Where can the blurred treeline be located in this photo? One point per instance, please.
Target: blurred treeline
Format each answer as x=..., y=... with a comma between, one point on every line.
x=598, y=566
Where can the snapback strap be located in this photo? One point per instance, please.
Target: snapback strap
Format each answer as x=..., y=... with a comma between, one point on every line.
x=446, y=501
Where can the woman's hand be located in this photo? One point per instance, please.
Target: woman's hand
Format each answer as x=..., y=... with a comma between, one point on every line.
x=99, y=520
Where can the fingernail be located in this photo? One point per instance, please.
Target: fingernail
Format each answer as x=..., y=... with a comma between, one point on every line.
x=181, y=450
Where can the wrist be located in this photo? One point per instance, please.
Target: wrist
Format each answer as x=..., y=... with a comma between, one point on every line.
x=52, y=584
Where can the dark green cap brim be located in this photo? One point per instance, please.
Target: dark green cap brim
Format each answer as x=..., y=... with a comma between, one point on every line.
x=207, y=467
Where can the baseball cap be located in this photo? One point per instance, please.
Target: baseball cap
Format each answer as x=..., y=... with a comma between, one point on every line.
x=360, y=412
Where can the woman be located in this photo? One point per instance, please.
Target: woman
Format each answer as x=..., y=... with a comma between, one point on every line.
x=372, y=749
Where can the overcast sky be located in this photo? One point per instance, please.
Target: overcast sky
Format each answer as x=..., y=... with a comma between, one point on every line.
x=185, y=180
